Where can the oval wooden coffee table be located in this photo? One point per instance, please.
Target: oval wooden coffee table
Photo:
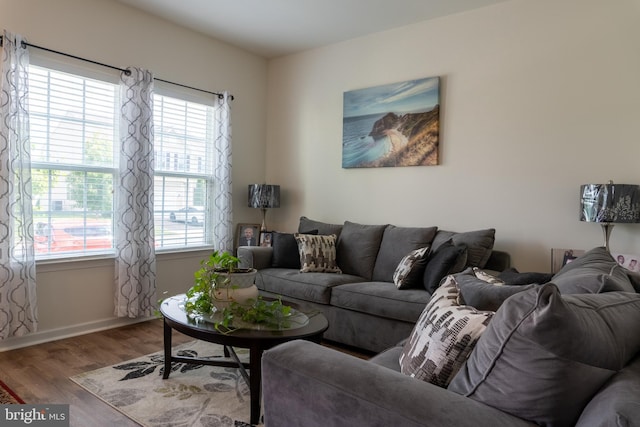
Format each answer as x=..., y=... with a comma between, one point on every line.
x=256, y=340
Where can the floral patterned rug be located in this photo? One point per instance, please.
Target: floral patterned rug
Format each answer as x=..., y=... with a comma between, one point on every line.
x=193, y=395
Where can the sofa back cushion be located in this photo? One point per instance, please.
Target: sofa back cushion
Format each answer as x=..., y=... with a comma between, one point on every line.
x=479, y=244
x=323, y=228
x=593, y=272
x=358, y=248
x=544, y=355
x=397, y=242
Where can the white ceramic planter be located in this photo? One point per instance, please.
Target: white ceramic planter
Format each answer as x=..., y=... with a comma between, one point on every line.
x=240, y=288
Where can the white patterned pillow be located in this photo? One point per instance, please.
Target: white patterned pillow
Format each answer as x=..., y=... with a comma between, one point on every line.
x=410, y=269
x=317, y=253
x=486, y=277
x=443, y=337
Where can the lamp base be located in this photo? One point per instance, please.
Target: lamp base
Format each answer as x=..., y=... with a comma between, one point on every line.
x=263, y=227
x=607, y=227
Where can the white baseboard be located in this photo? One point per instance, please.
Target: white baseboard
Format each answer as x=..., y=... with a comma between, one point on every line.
x=67, y=332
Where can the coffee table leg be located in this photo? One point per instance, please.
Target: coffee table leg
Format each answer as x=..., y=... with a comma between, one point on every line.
x=167, y=351
x=255, y=375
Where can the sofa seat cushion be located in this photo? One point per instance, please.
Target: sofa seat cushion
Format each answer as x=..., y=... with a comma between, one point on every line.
x=381, y=299
x=544, y=355
x=617, y=403
x=397, y=242
x=593, y=272
x=313, y=287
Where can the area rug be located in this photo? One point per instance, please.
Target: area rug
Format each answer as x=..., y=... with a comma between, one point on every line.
x=8, y=396
x=193, y=395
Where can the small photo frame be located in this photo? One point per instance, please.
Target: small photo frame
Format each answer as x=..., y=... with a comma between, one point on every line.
x=248, y=235
x=562, y=257
x=266, y=238
x=629, y=261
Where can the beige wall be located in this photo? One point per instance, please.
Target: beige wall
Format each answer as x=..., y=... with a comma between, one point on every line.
x=538, y=97
x=77, y=297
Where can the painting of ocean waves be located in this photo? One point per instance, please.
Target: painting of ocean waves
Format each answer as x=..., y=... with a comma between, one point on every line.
x=392, y=125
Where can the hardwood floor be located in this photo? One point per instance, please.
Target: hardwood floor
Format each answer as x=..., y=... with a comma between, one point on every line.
x=40, y=373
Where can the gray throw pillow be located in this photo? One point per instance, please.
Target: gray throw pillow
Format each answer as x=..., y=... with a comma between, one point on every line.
x=477, y=291
x=285, y=250
x=396, y=243
x=479, y=244
x=358, y=247
x=447, y=259
x=544, y=355
x=593, y=272
x=512, y=276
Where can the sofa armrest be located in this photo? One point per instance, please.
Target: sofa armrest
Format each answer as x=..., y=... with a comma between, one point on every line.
x=257, y=257
x=306, y=384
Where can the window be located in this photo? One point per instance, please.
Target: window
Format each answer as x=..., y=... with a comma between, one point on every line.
x=72, y=123
x=183, y=183
x=74, y=139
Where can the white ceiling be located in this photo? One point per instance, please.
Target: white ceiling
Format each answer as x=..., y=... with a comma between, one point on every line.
x=273, y=28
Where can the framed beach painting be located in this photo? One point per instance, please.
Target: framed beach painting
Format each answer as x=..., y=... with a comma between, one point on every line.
x=395, y=124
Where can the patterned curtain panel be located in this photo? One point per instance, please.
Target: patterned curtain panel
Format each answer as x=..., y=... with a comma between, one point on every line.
x=134, y=233
x=223, y=212
x=18, y=308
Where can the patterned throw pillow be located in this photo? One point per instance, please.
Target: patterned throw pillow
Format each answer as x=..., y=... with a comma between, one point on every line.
x=317, y=253
x=486, y=277
x=443, y=337
x=409, y=272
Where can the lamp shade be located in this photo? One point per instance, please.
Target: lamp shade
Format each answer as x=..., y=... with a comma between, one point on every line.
x=264, y=196
x=610, y=203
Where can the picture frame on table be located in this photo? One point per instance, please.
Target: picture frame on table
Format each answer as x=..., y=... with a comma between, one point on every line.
x=247, y=235
x=629, y=261
x=266, y=237
x=562, y=257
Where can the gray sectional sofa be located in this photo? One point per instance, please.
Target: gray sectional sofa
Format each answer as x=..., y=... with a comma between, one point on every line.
x=364, y=307
x=561, y=353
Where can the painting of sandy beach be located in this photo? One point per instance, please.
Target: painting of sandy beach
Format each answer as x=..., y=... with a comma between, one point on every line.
x=396, y=124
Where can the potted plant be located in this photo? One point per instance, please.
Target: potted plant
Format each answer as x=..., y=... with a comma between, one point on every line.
x=220, y=286
x=218, y=283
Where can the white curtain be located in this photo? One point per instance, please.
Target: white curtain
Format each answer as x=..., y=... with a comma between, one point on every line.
x=18, y=308
x=135, y=245
x=223, y=212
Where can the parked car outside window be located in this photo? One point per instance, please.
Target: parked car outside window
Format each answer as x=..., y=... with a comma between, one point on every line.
x=191, y=215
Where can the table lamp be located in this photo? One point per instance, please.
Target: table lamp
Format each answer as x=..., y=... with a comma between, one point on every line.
x=264, y=196
x=609, y=204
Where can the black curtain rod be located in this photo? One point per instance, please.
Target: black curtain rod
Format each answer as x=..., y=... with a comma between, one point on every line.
x=123, y=70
